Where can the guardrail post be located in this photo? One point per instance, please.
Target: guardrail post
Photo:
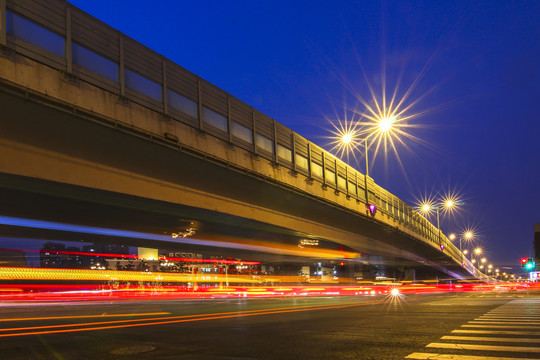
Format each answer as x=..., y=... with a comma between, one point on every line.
x=324, y=167
x=253, y=131
x=199, y=105
x=336, y=174
x=229, y=118
x=275, y=140
x=356, y=182
x=294, y=151
x=69, y=58
x=3, y=29
x=347, y=180
x=309, y=160
x=121, y=62
x=164, y=86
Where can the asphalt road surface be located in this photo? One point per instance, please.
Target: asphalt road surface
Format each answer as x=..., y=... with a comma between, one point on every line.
x=465, y=326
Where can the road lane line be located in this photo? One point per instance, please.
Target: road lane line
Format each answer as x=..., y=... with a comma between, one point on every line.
x=521, y=349
x=159, y=321
x=149, y=319
x=510, y=322
x=496, y=332
x=487, y=338
x=428, y=356
x=84, y=316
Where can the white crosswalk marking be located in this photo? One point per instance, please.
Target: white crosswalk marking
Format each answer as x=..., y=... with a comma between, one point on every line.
x=502, y=326
x=489, y=338
x=485, y=347
x=494, y=332
x=519, y=319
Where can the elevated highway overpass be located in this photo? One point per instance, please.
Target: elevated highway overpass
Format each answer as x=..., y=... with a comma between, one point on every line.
x=97, y=129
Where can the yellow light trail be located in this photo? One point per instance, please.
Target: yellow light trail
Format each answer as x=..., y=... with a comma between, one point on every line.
x=115, y=275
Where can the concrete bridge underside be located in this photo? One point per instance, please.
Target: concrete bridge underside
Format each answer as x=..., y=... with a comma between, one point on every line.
x=63, y=165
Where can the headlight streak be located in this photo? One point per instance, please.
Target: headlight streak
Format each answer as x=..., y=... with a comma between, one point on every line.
x=223, y=242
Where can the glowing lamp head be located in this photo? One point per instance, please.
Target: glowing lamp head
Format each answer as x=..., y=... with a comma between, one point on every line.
x=477, y=251
x=426, y=207
x=468, y=235
x=385, y=123
x=347, y=138
x=449, y=203
x=394, y=292
x=452, y=236
x=465, y=251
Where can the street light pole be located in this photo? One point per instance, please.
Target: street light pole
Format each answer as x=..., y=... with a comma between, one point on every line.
x=367, y=160
x=438, y=226
x=468, y=235
x=367, y=170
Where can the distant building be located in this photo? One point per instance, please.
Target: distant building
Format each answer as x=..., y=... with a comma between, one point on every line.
x=100, y=261
x=57, y=255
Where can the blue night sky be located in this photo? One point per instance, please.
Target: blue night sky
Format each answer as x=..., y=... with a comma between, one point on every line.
x=475, y=66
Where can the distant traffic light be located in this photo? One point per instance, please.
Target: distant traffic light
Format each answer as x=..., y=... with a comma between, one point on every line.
x=530, y=265
x=523, y=262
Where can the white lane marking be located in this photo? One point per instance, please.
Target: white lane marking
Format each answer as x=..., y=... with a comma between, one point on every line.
x=519, y=314
x=488, y=338
x=519, y=310
x=502, y=326
x=510, y=322
x=495, y=332
x=520, y=318
x=521, y=349
x=428, y=356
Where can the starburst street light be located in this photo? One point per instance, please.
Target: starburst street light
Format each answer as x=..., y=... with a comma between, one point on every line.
x=467, y=235
x=385, y=123
x=348, y=136
x=447, y=205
